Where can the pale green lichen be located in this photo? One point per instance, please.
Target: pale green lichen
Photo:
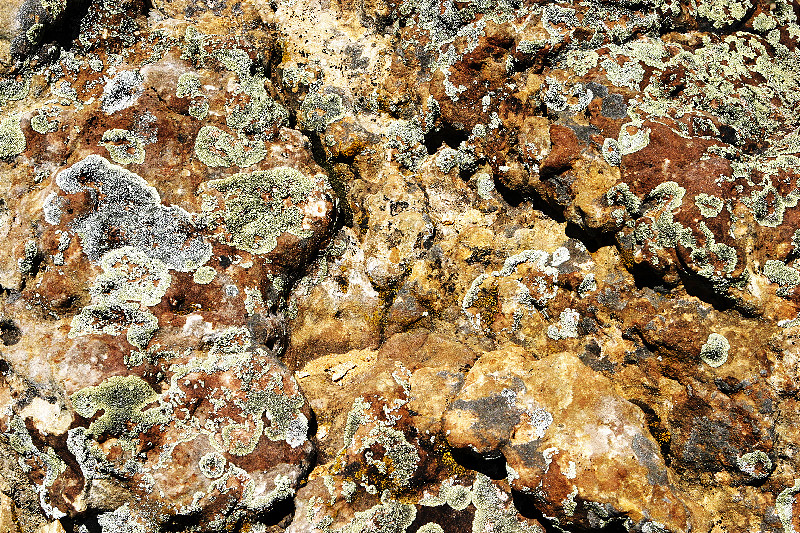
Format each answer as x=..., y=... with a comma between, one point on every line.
x=490, y=511
x=253, y=299
x=407, y=138
x=785, y=276
x=621, y=195
x=611, y=152
x=260, y=207
x=709, y=206
x=319, y=109
x=567, y=325
x=43, y=122
x=12, y=139
x=26, y=263
x=204, y=275
x=484, y=185
x=784, y=506
x=722, y=13
x=122, y=91
x=131, y=275
x=112, y=319
x=217, y=148
x=124, y=147
x=123, y=401
x=122, y=199
x=755, y=464
x=188, y=85
x=430, y=527
x=121, y=520
x=714, y=352
x=355, y=419
x=630, y=143
x=283, y=489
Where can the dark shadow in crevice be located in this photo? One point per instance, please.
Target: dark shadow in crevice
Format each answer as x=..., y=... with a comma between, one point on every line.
x=527, y=508
x=657, y=429
x=81, y=524
x=593, y=240
x=281, y=514
x=701, y=288
x=445, y=134
x=509, y=196
x=493, y=467
x=343, y=215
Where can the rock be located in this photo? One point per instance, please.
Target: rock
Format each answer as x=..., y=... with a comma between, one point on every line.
x=564, y=433
x=314, y=266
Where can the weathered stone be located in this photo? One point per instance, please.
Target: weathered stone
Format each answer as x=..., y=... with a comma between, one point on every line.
x=347, y=259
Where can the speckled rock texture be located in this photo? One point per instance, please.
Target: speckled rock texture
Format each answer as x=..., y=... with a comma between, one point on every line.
x=399, y=266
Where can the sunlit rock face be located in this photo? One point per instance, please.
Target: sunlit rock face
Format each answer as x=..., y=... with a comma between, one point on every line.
x=399, y=266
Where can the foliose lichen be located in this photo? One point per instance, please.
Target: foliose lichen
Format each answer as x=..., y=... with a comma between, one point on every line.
x=715, y=350
x=123, y=401
x=12, y=139
x=259, y=207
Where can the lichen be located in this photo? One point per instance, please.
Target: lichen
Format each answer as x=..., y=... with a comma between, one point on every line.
x=112, y=319
x=755, y=464
x=123, y=401
x=122, y=200
x=785, y=276
x=260, y=207
x=715, y=350
x=784, y=506
x=217, y=148
x=567, y=325
x=125, y=147
x=709, y=206
x=12, y=139
x=131, y=275
x=122, y=91
x=43, y=122
x=204, y=275
x=319, y=109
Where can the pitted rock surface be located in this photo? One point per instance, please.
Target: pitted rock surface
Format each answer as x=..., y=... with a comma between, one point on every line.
x=399, y=266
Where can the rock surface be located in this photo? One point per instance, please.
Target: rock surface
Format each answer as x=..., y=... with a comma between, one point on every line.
x=399, y=266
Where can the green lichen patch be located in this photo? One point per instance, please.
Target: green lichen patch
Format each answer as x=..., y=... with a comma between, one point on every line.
x=260, y=206
x=12, y=140
x=122, y=91
x=212, y=465
x=122, y=401
x=756, y=464
x=124, y=147
x=188, y=85
x=319, y=109
x=204, y=275
x=714, y=352
x=44, y=122
x=784, y=506
x=709, y=206
x=217, y=148
x=567, y=325
x=785, y=276
x=113, y=318
x=131, y=275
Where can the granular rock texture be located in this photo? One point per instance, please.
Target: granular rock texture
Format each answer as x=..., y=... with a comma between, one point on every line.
x=397, y=266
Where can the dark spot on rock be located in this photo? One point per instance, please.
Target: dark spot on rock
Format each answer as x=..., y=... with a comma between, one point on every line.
x=614, y=106
x=598, y=90
x=10, y=333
